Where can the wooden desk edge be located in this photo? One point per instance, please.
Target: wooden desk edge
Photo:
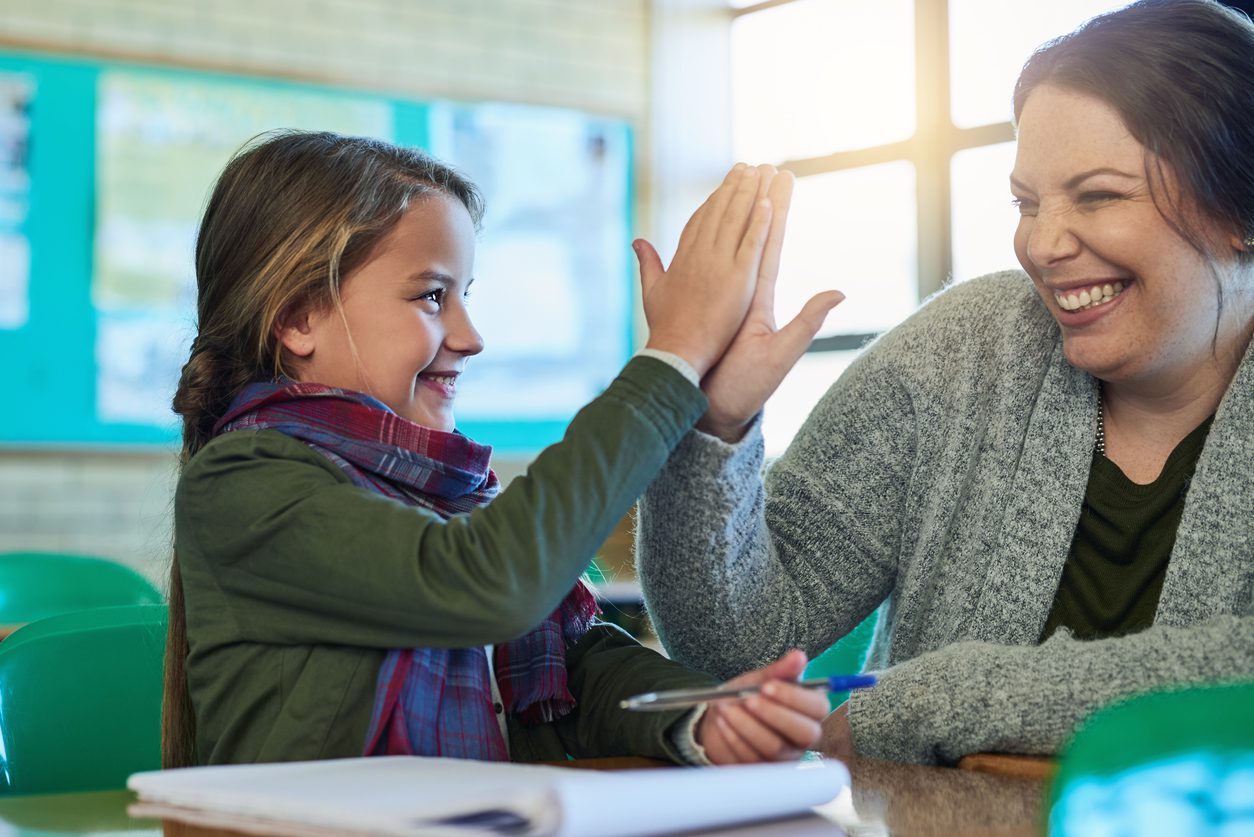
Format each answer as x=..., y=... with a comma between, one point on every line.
x=1005, y=764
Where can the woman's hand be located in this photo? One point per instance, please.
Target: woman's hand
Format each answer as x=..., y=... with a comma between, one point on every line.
x=760, y=355
x=697, y=305
x=837, y=735
x=777, y=724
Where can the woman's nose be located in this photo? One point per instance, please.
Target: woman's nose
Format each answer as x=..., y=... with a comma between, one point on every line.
x=1051, y=238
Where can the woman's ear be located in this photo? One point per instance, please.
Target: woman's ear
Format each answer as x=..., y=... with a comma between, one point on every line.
x=293, y=329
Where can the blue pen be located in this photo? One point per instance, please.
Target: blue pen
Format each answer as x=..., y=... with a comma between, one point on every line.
x=684, y=698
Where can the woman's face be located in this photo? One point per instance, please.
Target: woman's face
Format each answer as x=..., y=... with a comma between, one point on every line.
x=1134, y=300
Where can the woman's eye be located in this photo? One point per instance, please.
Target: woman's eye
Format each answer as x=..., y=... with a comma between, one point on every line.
x=1098, y=197
x=1025, y=207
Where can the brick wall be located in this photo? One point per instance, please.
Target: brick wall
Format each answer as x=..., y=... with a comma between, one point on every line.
x=586, y=54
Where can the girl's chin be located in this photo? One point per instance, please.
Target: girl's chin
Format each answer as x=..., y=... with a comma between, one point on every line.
x=432, y=420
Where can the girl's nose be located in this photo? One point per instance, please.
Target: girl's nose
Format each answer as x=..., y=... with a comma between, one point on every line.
x=462, y=336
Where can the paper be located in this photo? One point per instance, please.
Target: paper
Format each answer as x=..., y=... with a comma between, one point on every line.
x=414, y=797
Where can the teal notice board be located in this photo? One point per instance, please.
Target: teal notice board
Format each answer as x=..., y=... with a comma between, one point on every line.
x=104, y=168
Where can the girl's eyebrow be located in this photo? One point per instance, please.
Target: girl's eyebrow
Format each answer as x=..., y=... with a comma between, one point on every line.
x=428, y=276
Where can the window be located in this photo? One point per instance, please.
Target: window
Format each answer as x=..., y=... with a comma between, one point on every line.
x=895, y=117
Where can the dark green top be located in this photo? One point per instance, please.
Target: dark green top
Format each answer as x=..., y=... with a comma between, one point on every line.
x=297, y=583
x=1114, y=574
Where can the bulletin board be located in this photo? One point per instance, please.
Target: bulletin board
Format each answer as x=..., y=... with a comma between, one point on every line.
x=104, y=170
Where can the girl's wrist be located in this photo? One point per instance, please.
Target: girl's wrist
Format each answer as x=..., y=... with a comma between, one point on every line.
x=695, y=359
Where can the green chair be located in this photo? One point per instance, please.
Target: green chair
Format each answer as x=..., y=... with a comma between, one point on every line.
x=36, y=585
x=80, y=700
x=846, y=656
x=1169, y=762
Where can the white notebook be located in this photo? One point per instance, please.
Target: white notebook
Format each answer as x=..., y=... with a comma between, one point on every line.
x=404, y=796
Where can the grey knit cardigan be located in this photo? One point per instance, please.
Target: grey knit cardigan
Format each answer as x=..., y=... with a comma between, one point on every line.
x=943, y=474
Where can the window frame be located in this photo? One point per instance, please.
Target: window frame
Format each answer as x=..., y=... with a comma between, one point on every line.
x=930, y=150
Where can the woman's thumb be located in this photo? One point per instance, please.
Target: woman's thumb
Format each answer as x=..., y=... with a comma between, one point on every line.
x=797, y=335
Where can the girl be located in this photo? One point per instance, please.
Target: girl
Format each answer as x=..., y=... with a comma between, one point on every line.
x=342, y=584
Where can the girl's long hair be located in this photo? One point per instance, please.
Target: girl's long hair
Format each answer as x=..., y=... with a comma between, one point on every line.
x=291, y=214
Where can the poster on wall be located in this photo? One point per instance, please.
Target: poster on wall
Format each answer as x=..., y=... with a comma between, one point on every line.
x=17, y=93
x=553, y=263
x=161, y=141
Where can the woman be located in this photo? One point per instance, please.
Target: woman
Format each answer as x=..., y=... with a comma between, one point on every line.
x=1048, y=479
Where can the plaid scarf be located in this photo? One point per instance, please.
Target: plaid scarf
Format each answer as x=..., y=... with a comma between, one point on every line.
x=428, y=701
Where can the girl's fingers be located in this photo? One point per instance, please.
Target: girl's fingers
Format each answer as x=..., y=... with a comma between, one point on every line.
x=730, y=228
x=651, y=269
x=765, y=743
x=715, y=207
x=800, y=727
x=734, y=742
x=750, y=251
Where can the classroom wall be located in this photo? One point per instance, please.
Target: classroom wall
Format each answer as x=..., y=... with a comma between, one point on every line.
x=586, y=54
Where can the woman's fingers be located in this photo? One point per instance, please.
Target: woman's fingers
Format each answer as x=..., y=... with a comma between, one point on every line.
x=780, y=196
x=795, y=337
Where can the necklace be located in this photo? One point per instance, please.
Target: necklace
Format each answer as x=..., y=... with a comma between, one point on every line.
x=1099, y=444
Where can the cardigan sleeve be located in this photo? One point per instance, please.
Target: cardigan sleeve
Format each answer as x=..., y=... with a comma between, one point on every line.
x=297, y=555
x=736, y=569
x=973, y=697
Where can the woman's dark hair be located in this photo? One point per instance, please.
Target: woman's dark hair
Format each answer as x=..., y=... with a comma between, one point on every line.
x=292, y=214
x=1181, y=75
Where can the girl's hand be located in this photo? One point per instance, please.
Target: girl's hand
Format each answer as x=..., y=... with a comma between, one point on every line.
x=696, y=306
x=777, y=724
x=760, y=355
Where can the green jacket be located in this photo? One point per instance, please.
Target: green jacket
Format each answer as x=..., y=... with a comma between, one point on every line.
x=297, y=583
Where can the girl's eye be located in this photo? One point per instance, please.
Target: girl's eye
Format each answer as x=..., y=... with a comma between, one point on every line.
x=434, y=297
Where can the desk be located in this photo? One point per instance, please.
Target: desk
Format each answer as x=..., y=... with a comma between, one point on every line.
x=888, y=798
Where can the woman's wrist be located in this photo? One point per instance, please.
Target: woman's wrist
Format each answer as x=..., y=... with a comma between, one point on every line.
x=730, y=431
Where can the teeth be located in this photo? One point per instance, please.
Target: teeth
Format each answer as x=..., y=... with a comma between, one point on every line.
x=1087, y=298
x=446, y=380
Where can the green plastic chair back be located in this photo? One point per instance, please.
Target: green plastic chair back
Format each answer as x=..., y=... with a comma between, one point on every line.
x=36, y=585
x=80, y=700
x=846, y=656
x=1170, y=762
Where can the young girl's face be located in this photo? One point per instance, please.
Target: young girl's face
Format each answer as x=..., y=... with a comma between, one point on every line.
x=405, y=310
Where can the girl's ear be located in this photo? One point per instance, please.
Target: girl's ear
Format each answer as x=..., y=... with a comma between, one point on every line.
x=294, y=330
